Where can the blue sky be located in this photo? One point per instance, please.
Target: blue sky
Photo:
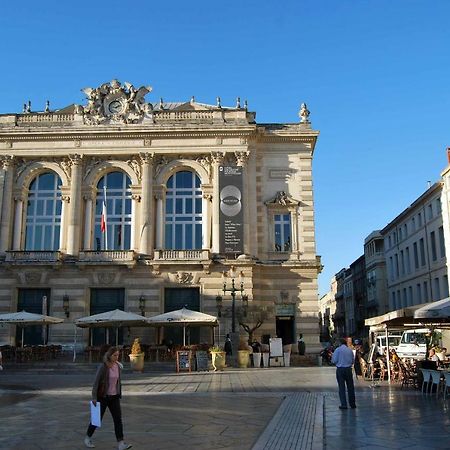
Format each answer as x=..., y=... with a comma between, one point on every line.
x=373, y=73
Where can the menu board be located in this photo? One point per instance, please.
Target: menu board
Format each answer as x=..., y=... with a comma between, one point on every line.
x=184, y=360
x=276, y=347
x=202, y=360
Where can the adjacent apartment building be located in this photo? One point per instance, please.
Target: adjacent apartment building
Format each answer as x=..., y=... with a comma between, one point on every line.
x=404, y=264
x=151, y=206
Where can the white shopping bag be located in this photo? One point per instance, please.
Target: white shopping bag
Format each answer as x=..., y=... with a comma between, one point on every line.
x=95, y=414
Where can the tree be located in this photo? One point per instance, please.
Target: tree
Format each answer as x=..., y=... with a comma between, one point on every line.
x=251, y=318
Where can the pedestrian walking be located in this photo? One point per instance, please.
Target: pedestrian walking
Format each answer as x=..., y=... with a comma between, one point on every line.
x=107, y=390
x=343, y=359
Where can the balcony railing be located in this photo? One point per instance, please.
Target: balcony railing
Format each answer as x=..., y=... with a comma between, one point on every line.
x=182, y=255
x=107, y=256
x=16, y=256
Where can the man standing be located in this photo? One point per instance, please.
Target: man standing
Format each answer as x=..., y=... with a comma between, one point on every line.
x=343, y=359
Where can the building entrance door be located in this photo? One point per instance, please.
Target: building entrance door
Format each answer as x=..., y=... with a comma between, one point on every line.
x=35, y=301
x=285, y=326
x=103, y=300
x=177, y=298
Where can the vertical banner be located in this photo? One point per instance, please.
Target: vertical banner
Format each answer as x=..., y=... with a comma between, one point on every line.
x=231, y=210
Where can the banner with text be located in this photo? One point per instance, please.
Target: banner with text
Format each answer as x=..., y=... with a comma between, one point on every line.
x=231, y=212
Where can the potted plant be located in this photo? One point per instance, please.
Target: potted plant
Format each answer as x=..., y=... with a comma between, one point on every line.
x=265, y=349
x=256, y=346
x=244, y=351
x=137, y=356
x=217, y=357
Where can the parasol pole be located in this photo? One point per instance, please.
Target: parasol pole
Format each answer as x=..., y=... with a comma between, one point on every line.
x=75, y=344
x=388, y=355
x=22, y=335
x=117, y=336
x=184, y=335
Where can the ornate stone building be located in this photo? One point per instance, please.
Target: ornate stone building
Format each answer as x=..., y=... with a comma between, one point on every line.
x=119, y=204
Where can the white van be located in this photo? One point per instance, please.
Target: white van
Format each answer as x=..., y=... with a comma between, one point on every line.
x=394, y=341
x=413, y=344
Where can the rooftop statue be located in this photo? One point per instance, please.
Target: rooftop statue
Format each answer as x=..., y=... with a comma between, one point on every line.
x=304, y=113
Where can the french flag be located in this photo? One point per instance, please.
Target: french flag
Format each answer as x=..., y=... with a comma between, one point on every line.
x=104, y=219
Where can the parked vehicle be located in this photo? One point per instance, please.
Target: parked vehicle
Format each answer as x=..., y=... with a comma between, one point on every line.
x=394, y=341
x=413, y=344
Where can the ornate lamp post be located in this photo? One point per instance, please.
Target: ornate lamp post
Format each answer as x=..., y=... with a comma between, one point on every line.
x=232, y=290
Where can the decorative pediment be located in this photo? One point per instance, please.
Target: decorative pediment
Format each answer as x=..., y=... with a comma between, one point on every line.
x=116, y=103
x=282, y=199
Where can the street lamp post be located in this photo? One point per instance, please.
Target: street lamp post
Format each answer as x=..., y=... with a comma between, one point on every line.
x=232, y=290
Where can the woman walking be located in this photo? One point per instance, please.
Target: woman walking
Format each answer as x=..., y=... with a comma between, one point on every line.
x=107, y=390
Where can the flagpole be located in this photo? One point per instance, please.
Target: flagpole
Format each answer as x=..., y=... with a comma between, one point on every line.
x=105, y=217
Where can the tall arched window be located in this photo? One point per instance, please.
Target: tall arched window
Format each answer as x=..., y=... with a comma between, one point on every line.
x=43, y=223
x=183, y=226
x=116, y=232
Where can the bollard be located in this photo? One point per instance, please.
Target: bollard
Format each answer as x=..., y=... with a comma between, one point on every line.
x=319, y=361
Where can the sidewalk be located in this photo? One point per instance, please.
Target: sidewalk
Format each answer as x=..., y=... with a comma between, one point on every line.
x=276, y=408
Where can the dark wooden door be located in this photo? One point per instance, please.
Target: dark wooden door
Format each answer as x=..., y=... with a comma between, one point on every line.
x=103, y=300
x=32, y=300
x=177, y=298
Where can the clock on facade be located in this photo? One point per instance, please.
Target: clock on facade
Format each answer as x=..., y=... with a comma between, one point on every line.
x=115, y=107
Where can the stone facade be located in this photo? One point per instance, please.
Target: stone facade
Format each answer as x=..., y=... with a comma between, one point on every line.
x=118, y=132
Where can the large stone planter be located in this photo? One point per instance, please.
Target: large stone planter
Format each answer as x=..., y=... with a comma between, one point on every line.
x=243, y=358
x=287, y=359
x=265, y=358
x=256, y=359
x=137, y=362
x=218, y=360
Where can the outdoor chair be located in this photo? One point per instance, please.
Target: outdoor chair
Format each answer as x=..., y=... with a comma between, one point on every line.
x=383, y=369
x=446, y=385
x=408, y=376
x=395, y=371
x=435, y=380
x=426, y=379
x=364, y=368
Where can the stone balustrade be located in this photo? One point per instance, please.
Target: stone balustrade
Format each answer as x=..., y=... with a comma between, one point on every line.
x=183, y=255
x=110, y=256
x=32, y=256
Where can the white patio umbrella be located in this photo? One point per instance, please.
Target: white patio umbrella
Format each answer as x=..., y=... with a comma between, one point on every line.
x=116, y=318
x=439, y=310
x=183, y=317
x=24, y=319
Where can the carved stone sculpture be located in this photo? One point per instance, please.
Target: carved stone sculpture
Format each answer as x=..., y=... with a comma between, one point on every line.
x=304, y=113
x=112, y=102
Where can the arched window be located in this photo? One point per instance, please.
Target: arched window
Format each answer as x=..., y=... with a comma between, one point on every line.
x=114, y=187
x=183, y=225
x=43, y=223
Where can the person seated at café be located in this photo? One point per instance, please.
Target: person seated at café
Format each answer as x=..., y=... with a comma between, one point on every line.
x=432, y=355
x=394, y=356
x=442, y=355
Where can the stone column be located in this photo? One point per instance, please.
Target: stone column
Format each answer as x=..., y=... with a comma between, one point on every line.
x=217, y=159
x=159, y=218
x=18, y=221
x=74, y=225
x=146, y=235
x=135, y=199
x=88, y=210
x=7, y=164
x=294, y=227
x=65, y=203
x=242, y=159
x=206, y=219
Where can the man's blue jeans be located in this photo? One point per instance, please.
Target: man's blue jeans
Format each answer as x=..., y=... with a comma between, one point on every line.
x=344, y=376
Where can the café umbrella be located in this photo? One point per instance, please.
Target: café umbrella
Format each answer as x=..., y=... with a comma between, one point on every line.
x=24, y=319
x=116, y=319
x=182, y=318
